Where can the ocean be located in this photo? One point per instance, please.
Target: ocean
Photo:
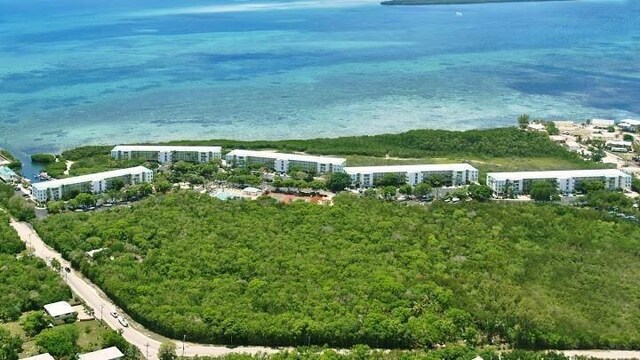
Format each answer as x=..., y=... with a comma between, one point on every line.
x=75, y=72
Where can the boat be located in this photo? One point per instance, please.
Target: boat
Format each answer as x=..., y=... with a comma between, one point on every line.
x=43, y=176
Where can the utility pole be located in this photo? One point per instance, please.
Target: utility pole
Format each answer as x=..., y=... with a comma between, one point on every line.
x=147, y=350
x=184, y=338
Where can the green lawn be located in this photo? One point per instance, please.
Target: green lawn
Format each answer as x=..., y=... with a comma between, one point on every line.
x=90, y=335
x=90, y=339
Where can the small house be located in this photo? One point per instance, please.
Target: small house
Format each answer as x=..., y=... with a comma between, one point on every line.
x=45, y=356
x=602, y=123
x=251, y=191
x=536, y=127
x=111, y=353
x=60, y=310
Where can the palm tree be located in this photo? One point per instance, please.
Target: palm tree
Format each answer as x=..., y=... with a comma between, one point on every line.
x=523, y=121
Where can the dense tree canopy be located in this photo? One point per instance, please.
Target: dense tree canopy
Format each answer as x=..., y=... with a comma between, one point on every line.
x=10, y=345
x=35, y=322
x=363, y=271
x=502, y=142
x=588, y=186
x=361, y=352
x=25, y=283
x=10, y=243
x=543, y=190
x=606, y=199
x=479, y=192
x=59, y=341
x=15, y=204
x=43, y=158
x=167, y=351
x=338, y=181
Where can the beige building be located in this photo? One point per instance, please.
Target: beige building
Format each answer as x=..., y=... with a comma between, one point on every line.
x=283, y=162
x=166, y=153
x=92, y=183
x=366, y=176
x=566, y=180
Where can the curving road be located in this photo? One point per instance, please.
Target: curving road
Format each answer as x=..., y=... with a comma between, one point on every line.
x=100, y=303
x=149, y=345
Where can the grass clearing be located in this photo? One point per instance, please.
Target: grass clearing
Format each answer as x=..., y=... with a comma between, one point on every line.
x=90, y=338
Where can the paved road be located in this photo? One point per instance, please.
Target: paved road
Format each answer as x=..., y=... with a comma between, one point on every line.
x=98, y=301
x=605, y=354
x=136, y=335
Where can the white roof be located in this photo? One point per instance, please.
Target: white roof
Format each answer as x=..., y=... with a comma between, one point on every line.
x=619, y=142
x=59, y=308
x=296, y=157
x=407, y=168
x=630, y=122
x=90, y=253
x=104, y=354
x=251, y=189
x=90, y=177
x=556, y=174
x=602, y=122
x=631, y=170
x=536, y=126
x=167, y=148
x=45, y=356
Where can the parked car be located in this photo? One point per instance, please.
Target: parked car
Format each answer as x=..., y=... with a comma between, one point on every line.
x=123, y=321
x=67, y=269
x=114, y=314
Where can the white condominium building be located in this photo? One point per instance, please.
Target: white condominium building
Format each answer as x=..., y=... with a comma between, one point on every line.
x=93, y=183
x=164, y=154
x=283, y=162
x=567, y=180
x=366, y=176
x=630, y=125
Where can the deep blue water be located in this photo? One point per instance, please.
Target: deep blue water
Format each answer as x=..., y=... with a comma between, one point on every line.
x=77, y=71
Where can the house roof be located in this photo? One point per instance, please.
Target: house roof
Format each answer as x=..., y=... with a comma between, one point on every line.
x=619, y=143
x=536, y=126
x=59, y=308
x=352, y=170
x=45, y=356
x=602, y=122
x=167, y=148
x=110, y=353
x=90, y=177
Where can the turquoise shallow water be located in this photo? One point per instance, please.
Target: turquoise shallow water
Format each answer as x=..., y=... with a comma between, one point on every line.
x=81, y=71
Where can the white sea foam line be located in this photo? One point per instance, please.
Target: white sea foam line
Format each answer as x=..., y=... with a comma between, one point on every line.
x=245, y=7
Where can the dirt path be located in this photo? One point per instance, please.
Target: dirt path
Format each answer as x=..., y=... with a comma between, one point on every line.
x=68, y=163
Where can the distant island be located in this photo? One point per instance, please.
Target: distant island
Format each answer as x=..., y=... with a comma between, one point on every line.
x=454, y=2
